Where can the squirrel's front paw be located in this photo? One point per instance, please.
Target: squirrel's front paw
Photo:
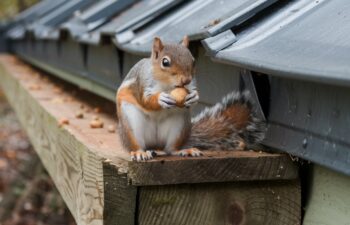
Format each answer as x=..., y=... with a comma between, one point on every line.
x=194, y=152
x=191, y=98
x=166, y=101
x=141, y=155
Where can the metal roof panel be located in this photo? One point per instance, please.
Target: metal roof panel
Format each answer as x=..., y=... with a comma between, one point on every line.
x=33, y=14
x=295, y=44
x=95, y=16
x=197, y=19
x=137, y=15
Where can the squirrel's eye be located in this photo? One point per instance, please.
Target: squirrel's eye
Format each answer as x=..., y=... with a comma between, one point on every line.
x=165, y=62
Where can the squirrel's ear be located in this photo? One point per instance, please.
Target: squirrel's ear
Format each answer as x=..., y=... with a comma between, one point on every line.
x=185, y=41
x=157, y=47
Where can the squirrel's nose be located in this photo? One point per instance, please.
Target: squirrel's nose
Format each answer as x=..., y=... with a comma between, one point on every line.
x=185, y=81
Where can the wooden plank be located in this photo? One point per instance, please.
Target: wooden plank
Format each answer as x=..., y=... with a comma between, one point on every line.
x=214, y=166
x=119, y=199
x=328, y=200
x=239, y=203
x=74, y=155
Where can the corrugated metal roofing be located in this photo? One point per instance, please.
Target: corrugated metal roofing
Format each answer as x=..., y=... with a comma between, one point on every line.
x=139, y=14
x=33, y=14
x=306, y=40
x=197, y=19
x=45, y=25
x=90, y=19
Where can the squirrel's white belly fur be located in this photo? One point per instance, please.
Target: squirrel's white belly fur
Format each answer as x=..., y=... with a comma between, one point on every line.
x=156, y=129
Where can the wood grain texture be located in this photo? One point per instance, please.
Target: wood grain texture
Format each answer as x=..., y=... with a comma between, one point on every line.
x=72, y=154
x=120, y=200
x=214, y=166
x=239, y=203
x=328, y=201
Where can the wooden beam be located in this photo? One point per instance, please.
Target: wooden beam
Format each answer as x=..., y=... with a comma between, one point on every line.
x=74, y=155
x=237, y=203
x=119, y=199
x=214, y=166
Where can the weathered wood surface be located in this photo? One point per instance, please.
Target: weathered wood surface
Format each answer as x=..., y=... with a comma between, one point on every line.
x=119, y=199
x=328, y=201
x=238, y=203
x=214, y=166
x=73, y=154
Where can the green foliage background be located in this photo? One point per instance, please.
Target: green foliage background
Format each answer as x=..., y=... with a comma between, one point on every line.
x=9, y=8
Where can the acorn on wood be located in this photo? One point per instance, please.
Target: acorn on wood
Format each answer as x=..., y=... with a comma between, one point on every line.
x=111, y=128
x=63, y=121
x=96, y=123
x=179, y=95
x=79, y=115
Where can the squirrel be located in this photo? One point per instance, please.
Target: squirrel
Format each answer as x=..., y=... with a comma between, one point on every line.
x=150, y=120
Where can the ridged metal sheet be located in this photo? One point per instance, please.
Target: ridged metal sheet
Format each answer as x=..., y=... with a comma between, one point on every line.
x=138, y=14
x=42, y=28
x=197, y=19
x=311, y=121
x=95, y=16
x=306, y=40
x=33, y=14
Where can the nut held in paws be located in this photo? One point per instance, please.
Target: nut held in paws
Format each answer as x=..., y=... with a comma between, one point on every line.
x=179, y=94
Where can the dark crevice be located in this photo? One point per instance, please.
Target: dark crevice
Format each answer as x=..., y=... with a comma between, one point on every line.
x=258, y=84
x=260, y=16
x=137, y=206
x=120, y=62
x=84, y=49
x=262, y=87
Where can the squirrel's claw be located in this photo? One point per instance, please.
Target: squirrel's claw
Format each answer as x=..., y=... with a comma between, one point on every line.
x=191, y=98
x=141, y=155
x=194, y=152
x=166, y=101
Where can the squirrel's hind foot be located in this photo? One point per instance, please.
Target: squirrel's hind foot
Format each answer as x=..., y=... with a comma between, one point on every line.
x=194, y=152
x=141, y=155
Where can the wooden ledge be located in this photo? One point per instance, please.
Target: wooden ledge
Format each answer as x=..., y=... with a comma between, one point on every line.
x=214, y=166
x=93, y=172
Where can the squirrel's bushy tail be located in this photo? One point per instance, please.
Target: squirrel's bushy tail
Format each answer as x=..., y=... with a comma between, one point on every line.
x=229, y=125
